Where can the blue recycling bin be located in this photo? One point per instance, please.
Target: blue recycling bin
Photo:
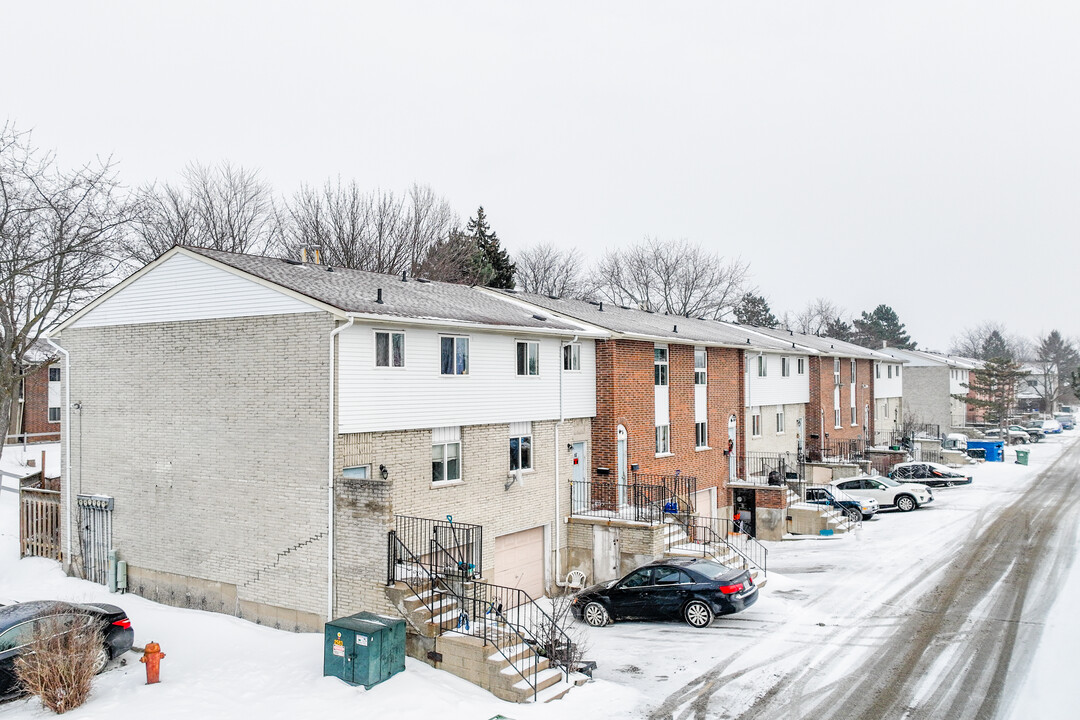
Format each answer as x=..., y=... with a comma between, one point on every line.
x=995, y=449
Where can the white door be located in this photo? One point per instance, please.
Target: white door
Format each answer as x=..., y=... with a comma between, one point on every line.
x=733, y=448
x=622, y=466
x=605, y=553
x=580, y=492
x=519, y=561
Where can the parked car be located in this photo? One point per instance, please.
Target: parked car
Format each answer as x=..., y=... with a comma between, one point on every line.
x=1018, y=436
x=19, y=621
x=1051, y=426
x=929, y=474
x=1067, y=421
x=694, y=589
x=1031, y=436
x=888, y=493
x=855, y=508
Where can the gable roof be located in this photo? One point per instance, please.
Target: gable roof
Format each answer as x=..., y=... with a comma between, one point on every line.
x=357, y=293
x=926, y=358
x=640, y=324
x=825, y=345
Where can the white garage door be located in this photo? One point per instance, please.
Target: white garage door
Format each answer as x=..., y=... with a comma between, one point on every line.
x=519, y=561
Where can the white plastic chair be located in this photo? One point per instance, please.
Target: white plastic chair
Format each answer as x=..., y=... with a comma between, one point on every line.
x=575, y=580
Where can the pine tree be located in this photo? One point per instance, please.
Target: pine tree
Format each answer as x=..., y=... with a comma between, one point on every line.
x=994, y=387
x=754, y=310
x=882, y=327
x=839, y=330
x=487, y=242
x=995, y=346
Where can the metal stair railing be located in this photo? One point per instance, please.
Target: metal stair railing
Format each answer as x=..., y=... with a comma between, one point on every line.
x=716, y=532
x=402, y=565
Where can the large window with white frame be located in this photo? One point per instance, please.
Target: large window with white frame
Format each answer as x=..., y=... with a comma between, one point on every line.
x=800, y=366
x=54, y=414
x=701, y=366
x=853, y=371
x=521, y=455
x=663, y=439
x=762, y=366
x=389, y=349
x=877, y=371
x=571, y=356
x=889, y=370
x=445, y=454
x=528, y=357
x=660, y=366
x=701, y=435
x=454, y=355
x=755, y=422
x=836, y=371
x=54, y=374
x=780, y=420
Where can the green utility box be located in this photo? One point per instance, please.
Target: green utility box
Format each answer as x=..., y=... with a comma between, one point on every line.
x=364, y=649
x=1022, y=457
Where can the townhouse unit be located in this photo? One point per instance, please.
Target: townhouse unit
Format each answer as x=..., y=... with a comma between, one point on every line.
x=35, y=410
x=259, y=426
x=932, y=382
x=888, y=398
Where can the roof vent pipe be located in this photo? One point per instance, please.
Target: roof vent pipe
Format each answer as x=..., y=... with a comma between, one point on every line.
x=601, y=306
x=378, y=298
x=403, y=277
x=675, y=329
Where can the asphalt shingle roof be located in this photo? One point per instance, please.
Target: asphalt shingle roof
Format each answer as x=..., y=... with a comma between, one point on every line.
x=658, y=325
x=824, y=345
x=356, y=291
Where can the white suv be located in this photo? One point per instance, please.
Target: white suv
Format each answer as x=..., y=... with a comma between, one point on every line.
x=889, y=493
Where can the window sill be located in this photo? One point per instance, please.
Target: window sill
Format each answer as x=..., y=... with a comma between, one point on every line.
x=446, y=483
x=701, y=448
x=752, y=437
x=527, y=471
x=665, y=454
x=781, y=432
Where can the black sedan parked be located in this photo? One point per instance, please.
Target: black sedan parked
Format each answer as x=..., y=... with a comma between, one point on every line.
x=929, y=474
x=18, y=622
x=693, y=589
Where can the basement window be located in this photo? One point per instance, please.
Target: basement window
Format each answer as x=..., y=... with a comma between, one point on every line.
x=358, y=472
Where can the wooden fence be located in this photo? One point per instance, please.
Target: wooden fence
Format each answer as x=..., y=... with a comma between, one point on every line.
x=39, y=523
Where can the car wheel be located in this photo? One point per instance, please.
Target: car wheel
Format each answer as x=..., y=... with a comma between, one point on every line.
x=596, y=614
x=101, y=660
x=905, y=503
x=697, y=614
x=854, y=514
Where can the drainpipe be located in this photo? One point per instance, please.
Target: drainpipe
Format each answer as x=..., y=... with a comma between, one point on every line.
x=66, y=487
x=330, y=479
x=558, y=482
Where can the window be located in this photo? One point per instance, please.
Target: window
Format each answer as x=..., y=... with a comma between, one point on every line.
x=897, y=371
x=670, y=576
x=779, y=420
x=854, y=417
x=800, y=366
x=785, y=367
x=836, y=417
x=889, y=369
x=762, y=366
x=54, y=374
x=389, y=349
x=54, y=414
x=701, y=434
x=455, y=356
x=445, y=454
x=521, y=446
x=836, y=371
x=852, y=371
x=877, y=370
x=701, y=363
x=571, y=356
x=638, y=578
x=755, y=422
x=358, y=472
x=663, y=439
x=660, y=366
x=528, y=357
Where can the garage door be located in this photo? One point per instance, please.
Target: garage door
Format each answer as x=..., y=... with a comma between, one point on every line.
x=519, y=561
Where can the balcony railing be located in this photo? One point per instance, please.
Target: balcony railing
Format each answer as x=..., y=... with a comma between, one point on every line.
x=443, y=547
x=770, y=468
x=825, y=450
x=642, y=498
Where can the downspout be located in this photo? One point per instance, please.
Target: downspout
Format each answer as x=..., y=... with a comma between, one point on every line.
x=558, y=482
x=330, y=479
x=66, y=429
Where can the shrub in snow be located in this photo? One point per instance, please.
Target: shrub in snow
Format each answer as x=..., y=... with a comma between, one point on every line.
x=65, y=654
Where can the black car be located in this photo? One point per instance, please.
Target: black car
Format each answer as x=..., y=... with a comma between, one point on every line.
x=929, y=474
x=18, y=622
x=693, y=589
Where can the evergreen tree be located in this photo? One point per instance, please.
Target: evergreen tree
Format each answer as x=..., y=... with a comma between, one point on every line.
x=995, y=346
x=839, y=330
x=487, y=243
x=994, y=387
x=882, y=327
x=754, y=310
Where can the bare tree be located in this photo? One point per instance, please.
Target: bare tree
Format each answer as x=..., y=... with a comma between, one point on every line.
x=547, y=270
x=225, y=208
x=676, y=277
x=814, y=319
x=59, y=231
x=988, y=340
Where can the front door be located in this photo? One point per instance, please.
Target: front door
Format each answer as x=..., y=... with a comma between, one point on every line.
x=579, y=495
x=746, y=507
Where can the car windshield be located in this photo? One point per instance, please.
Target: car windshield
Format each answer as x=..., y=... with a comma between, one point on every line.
x=709, y=569
x=887, y=481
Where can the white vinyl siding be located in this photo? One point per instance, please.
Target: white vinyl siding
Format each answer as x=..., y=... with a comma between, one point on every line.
x=661, y=398
x=54, y=394
x=184, y=288
x=701, y=385
x=890, y=384
x=775, y=388
x=419, y=396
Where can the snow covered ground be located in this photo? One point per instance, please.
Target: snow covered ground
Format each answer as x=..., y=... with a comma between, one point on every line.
x=823, y=594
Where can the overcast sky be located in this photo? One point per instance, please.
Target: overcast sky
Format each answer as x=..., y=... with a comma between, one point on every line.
x=925, y=155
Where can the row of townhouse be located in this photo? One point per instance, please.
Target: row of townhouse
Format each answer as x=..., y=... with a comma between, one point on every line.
x=36, y=407
x=272, y=423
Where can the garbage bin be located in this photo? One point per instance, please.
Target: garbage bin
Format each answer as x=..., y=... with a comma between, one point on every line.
x=364, y=649
x=1022, y=457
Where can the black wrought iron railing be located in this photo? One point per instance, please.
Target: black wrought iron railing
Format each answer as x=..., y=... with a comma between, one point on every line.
x=443, y=546
x=642, y=498
x=770, y=468
x=709, y=537
x=827, y=450
x=813, y=494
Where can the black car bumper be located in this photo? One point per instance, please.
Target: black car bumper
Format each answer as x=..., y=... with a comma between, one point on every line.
x=728, y=604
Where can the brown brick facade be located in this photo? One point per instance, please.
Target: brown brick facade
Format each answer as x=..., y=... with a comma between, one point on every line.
x=32, y=415
x=625, y=396
x=821, y=398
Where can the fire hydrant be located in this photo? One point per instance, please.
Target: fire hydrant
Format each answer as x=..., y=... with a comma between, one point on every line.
x=152, y=656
